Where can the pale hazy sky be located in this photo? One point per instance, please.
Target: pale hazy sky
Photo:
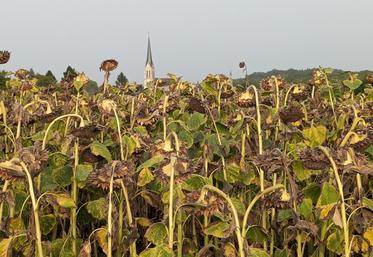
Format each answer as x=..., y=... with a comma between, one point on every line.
x=190, y=38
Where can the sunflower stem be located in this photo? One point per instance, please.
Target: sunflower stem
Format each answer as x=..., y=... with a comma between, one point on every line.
x=39, y=247
x=342, y=206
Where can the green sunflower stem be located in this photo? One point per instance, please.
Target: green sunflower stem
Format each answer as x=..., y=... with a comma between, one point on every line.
x=39, y=247
x=109, y=219
x=240, y=238
x=342, y=205
x=74, y=192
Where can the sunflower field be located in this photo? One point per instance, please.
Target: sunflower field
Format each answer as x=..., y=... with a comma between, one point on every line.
x=183, y=169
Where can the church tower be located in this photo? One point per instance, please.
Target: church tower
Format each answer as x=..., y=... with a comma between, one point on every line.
x=149, y=73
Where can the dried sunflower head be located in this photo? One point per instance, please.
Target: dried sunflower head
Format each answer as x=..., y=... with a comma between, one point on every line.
x=120, y=170
x=212, y=203
x=11, y=170
x=195, y=105
x=108, y=105
x=299, y=93
x=46, y=118
x=147, y=115
x=4, y=57
x=291, y=114
x=271, y=160
x=246, y=99
x=227, y=94
x=86, y=132
x=313, y=159
x=370, y=79
x=268, y=100
x=34, y=158
x=22, y=74
x=108, y=65
x=278, y=200
x=266, y=84
x=318, y=78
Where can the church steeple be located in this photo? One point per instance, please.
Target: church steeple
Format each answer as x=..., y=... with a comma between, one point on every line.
x=149, y=58
x=149, y=73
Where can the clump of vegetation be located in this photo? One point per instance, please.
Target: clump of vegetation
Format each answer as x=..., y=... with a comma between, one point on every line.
x=216, y=169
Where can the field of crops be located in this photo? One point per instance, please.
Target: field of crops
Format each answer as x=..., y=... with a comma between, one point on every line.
x=179, y=169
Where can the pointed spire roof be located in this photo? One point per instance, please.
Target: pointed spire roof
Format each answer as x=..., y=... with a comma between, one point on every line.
x=149, y=58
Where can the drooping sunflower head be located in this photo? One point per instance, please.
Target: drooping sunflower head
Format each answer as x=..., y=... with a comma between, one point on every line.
x=246, y=99
x=109, y=65
x=22, y=74
x=4, y=57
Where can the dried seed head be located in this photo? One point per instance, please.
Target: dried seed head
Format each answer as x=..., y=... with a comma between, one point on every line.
x=291, y=114
x=34, y=158
x=266, y=84
x=246, y=100
x=22, y=74
x=109, y=65
x=370, y=79
x=196, y=105
x=100, y=178
x=299, y=93
x=314, y=160
x=4, y=57
x=108, y=105
x=85, y=132
x=242, y=65
x=227, y=94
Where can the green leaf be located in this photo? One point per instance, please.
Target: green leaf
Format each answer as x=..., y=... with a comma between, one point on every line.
x=256, y=252
x=315, y=136
x=151, y=162
x=353, y=83
x=300, y=172
x=329, y=195
x=99, y=149
x=195, y=182
x=64, y=200
x=48, y=222
x=282, y=253
x=57, y=160
x=83, y=171
x=63, y=176
x=368, y=203
x=145, y=177
x=334, y=242
x=156, y=233
x=305, y=208
x=256, y=234
x=130, y=143
x=239, y=205
x=47, y=180
x=158, y=251
x=218, y=229
x=97, y=208
x=208, y=89
x=62, y=247
x=312, y=191
x=6, y=247
x=186, y=137
x=196, y=120
x=283, y=215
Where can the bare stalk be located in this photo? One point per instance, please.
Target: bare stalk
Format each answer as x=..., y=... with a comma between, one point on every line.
x=343, y=208
x=39, y=247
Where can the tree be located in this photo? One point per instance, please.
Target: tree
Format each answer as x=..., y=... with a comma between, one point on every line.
x=121, y=80
x=50, y=74
x=69, y=74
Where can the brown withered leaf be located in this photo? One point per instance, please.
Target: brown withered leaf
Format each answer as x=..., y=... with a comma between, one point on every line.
x=86, y=249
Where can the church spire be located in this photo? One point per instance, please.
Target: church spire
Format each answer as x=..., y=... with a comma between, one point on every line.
x=149, y=58
x=149, y=72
